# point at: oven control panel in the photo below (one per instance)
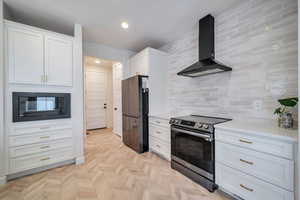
(193, 125)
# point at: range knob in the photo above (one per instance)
(200, 125)
(205, 126)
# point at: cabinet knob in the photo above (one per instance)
(115, 108)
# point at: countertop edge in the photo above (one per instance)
(262, 133)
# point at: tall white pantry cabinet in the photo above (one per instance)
(154, 64)
(37, 60)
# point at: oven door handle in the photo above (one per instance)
(206, 137)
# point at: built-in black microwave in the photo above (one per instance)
(29, 106)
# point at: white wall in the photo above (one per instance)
(2, 171)
(109, 53)
(78, 95)
(258, 39)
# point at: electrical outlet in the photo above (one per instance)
(257, 105)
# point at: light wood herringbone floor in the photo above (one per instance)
(111, 172)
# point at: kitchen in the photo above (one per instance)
(218, 129)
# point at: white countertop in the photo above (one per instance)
(266, 128)
(165, 116)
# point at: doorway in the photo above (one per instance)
(103, 94)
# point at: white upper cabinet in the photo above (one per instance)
(58, 61)
(25, 56)
(37, 56)
(139, 64)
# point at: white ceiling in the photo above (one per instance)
(152, 22)
(88, 60)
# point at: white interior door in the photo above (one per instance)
(117, 98)
(96, 95)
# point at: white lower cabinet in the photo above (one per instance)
(248, 187)
(160, 147)
(267, 167)
(38, 144)
(160, 137)
(40, 137)
(38, 160)
(247, 166)
(39, 148)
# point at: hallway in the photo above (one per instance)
(111, 172)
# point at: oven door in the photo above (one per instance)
(194, 150)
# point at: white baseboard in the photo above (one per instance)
(3, 180)
(39, 169)
(80, 160)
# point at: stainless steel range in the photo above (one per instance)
(193, 148)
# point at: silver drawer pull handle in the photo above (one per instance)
(43, 159)
(245, 141)
(158, 146)
(45, 147)
(158, 132)
(44, 137)
(245, 161)
(43, 128)
(158, 122)
(246, 188)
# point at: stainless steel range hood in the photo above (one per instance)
(207, 63)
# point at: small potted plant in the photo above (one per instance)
(285, 118)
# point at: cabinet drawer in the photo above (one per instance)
(247, 187)
(39, 160)
(275, 170)
(39, 127)
(160, 147)
(38, 148)
(41, 137)
(160, 133)
(159, 122)
(277, 148)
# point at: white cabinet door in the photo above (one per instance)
(117, 98)
(139, 64)
(25, 56)
(58, 61)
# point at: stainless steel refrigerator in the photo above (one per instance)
(135, 113)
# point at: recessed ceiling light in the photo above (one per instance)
(125, 25)
(98, 61)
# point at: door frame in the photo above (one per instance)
(120, 106)
(84, 93)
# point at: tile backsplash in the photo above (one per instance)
(258, 39)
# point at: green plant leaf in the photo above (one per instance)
(277, 111)
(289, 102)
